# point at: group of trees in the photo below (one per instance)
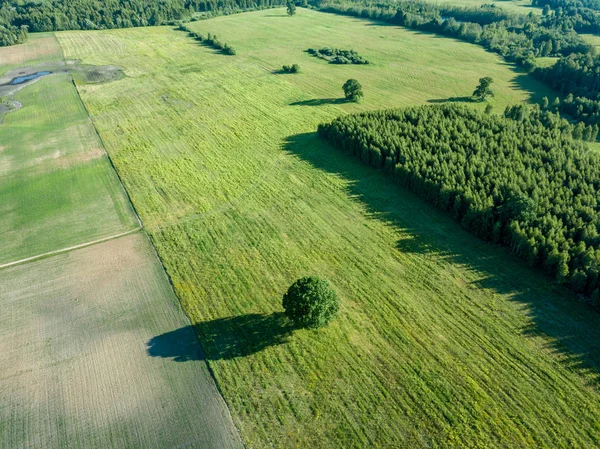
(10, 32)
(582, 15)
(210, 40)
(519, 180)
(577, 75)
(337, 56)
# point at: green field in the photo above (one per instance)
(443, 340)
(95, 351)
(516, 6)
(56, 183)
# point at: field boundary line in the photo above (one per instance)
(70, 248)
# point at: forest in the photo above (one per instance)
(516, 180)
(52, 15)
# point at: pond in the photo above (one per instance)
(24, 79)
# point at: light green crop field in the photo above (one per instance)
(57, 187)
(442, 341)
(95, 354)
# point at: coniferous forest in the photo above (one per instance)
(519, 182)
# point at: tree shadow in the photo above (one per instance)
(453, 100)
(569, 325)
(319, 102)
(181, 345)
(223, 338)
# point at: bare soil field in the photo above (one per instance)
(95, 352)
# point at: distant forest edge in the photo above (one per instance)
(17, 18)
(512, 180)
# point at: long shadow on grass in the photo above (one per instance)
(223, 338)
(319, 102)
(574, 329)
(453, 100)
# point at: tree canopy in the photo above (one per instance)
(291, 7)
(310, 302)
(352, 90)
(483, 90)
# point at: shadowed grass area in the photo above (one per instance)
(442, 340)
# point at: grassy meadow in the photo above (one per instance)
(515, 6)
(57, 186)
(442, 341)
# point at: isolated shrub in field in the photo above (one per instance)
(352, 90)
(294, 68)
(310, 302)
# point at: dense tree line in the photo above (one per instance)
(53, 15)
(581, 15)
(10, 33)
(337, 56)
(578, 76)
(518, 182)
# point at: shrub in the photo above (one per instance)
(294, 68)
(310, 302)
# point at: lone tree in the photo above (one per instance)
(310, 302)
(291, 8)
(483, 90)
(352, 90)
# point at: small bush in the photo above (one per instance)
(294, 68)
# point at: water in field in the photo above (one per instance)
(24, 79)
